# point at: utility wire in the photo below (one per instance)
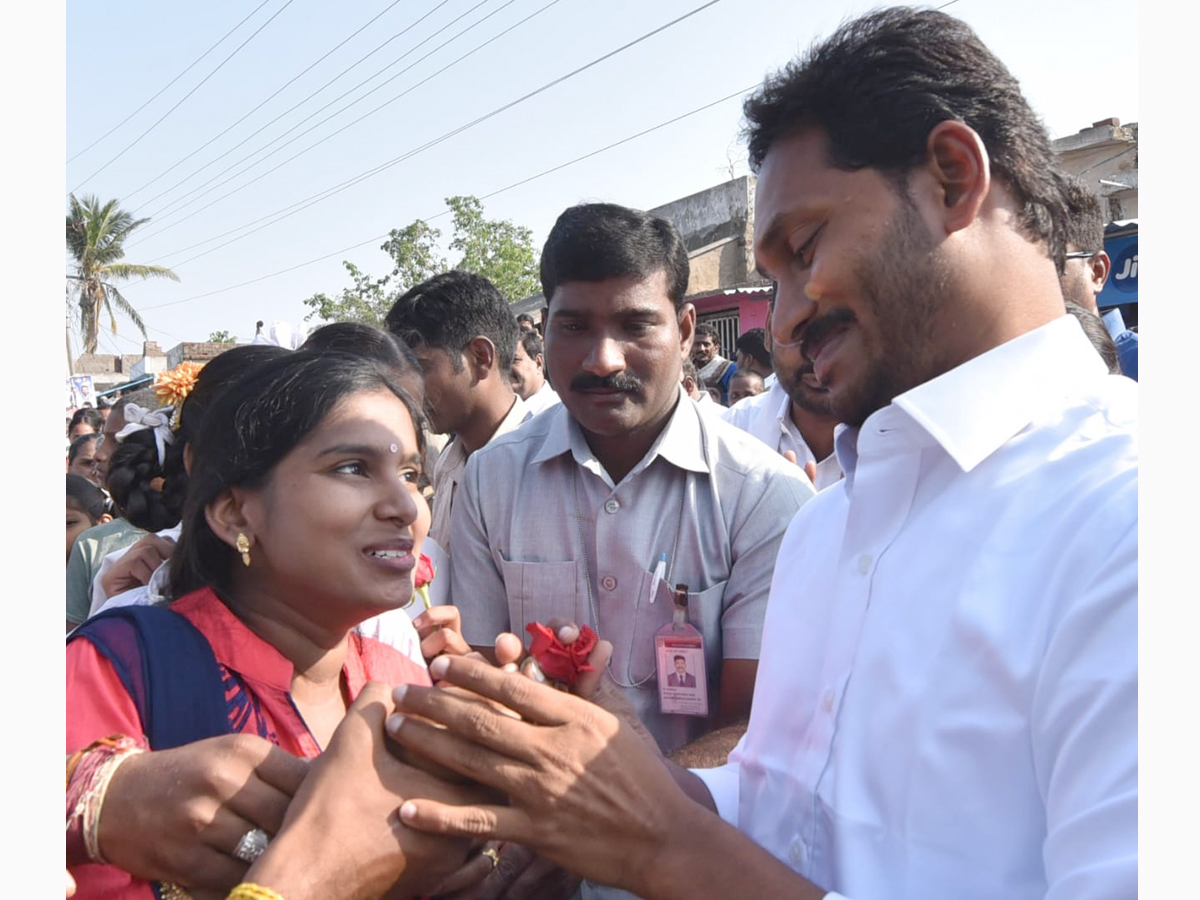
(333, 134)
(166, 210)
(370, 173)
(185, 96)
(169, 83)
(486, 196)
(287, 84)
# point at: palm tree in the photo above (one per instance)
(95, 239)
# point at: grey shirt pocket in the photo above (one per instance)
(539, 592)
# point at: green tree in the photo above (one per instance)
(222, 337)
(96, 236)
(495, 248)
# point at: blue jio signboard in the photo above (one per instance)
(1121, 287)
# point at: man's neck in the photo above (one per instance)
(494, 402)
(814, 428)
(620, 453)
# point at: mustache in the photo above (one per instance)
(817, 330)
(618, 381)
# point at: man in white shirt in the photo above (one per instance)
(463, 334)
(529, 375)
(792, 416)
(947, 700)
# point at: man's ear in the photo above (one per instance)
(1100, 265)
(481, 356)
(687, 330)
(959, 164)
(104, 519)
(540, 362)
(227, 516)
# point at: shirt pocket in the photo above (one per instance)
(704, 614)
(539, 592)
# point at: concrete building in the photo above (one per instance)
(1105, 155)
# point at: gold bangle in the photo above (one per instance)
(169, 891)
(247, 890)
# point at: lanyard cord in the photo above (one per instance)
(587, 576)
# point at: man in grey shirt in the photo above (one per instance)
(569, 516)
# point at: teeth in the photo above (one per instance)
(387, 554)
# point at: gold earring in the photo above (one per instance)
(243, 547)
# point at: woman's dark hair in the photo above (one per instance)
(213, 378)
(598, 241)
(88, 416)
(132, 469)
(250, 427)
(86, 497)
(880, 84)
(78, 444)
(364, 340)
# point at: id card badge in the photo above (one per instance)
(679, 660)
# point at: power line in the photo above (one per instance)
(159, 121)
(169, 83)
(486, 196)
(313, 199)
(166, 210)
(276, 94)
(333, 134)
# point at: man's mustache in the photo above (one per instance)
(618, 381)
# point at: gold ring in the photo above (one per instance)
(493, 856)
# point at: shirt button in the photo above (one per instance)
(827, 700)
(796, 853)
(608, 583)
(611, 505)
(864, 564)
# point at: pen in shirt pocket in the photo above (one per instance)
(660, 571)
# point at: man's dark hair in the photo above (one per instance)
(753, 344)
(448, 311)
(531, 342)
(680, 658)
(526, 317)
(598, 241)
(880, 84)
(706, 330)
(1097, 333)
(1085, 218)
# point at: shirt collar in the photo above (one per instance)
(975, 408)
(239, 649)
(681, 443)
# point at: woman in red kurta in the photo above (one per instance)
(303, 519)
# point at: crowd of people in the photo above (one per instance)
(476, 605)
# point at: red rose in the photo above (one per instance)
(424, 571)
(560, 661)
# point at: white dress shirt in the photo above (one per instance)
(946, 702)
(540, 400)
(449, 468)
(768, 416)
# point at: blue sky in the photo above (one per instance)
(1065, 55)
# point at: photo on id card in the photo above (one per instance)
(682, 679)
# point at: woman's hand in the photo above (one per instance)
(177, 815)
(342, 837)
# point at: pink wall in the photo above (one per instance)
(751, 309)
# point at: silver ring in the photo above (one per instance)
(252, 845)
